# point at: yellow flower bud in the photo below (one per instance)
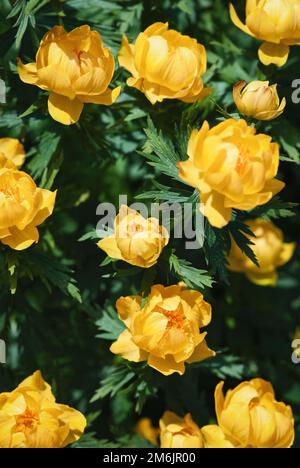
(252, 418)
(258, 100)
(164, 64)
(12, 153)
(276, 22)
(23, 207)
(270, 249)
(145, 429)
(232, 167)
(164, 331)
(136, 240)
(75, 68)
(30, 417)
(179, 432)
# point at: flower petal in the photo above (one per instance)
(64, 110)
(276, 54)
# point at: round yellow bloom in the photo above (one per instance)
(165, 331)
(179, 432)
(270, 249)
(145, 429)
(76, 68)
(23, 207)
(276, 22)
(30, 417)
(164, 64)
(12, 153)
(232, 167)
(252, 418)
(136, 240)
(258, 100)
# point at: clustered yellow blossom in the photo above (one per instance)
(165, 331)
(31, 418)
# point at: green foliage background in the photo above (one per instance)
(56, 302)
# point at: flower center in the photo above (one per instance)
(175, 319)
(26, 421)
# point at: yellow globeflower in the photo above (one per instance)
(12, 153)
(232, 167)
(145, 429)
(258, 100)
(75, 68)
(165, 330)
(30, 417)
(270, 249)
(176, 432)
(164, 64)
(136, 240)
(276, 22)
(23, 207)
(252, 418)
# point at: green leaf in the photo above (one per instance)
(192, 277)
(275, 209)
(216, 247)
(52, 273)
(109, 324)
(240, 233)
(161, 152)
(116, 380)
(47, 147)
(226, 366)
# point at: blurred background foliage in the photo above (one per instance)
(57, 303)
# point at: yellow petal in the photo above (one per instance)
(127, 307)
(201, 353)
(21, 240)
(276, 54)
(110, 247)
(127, 348)
(219, 400)
(288, 250)
(126, 56)
(63, 109)
(75, 423)
(214, 437)
(236, 20)
(167, 365)
(214, 209)
(263, 279)
(27, 73)
(107, 98)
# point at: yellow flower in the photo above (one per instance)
(145, 429)
(12, 154)
(76, 68)
(232, 167)
(252, 418)
(179, 432)
(136, 240)
(276, 22)
(164, 64)
(258, 100)
(165, 330)
(30, 417)
(23, 207)
(270, 249)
